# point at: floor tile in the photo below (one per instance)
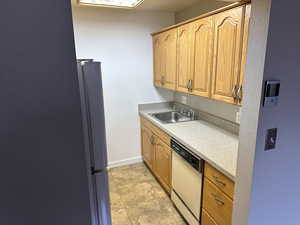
(138, 199)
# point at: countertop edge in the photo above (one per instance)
(205, 158)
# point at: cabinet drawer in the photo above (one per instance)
(206, 219)
(217, 204)
(157, 131)
(220, 180)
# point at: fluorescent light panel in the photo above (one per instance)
(113, 3)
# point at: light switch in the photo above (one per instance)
(271, 139)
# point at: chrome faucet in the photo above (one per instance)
(189, 113)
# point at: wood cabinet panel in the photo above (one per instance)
(202, 56)
(206, 219)
(157, 60)
(220, 180)
(164, 57)
(217, 204)
(244, 53)
(184, 47)
(147, 146)
(162, 163)
(157, 153)
(169, 59)
(227, 54)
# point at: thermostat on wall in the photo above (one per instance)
(271, 93)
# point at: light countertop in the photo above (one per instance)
(211, 143)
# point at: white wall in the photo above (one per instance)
(202, 7)
(121, 40)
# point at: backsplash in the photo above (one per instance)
(217, 121)
(215, 108)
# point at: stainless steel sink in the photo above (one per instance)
(172, 117)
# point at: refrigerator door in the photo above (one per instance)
(93, 113)
(102, 198)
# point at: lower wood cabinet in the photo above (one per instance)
(157, 153)
(217, 203)
(162, 163)
(147, 146)
(206, 219)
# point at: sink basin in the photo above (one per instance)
(171, 117)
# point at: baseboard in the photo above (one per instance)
(124, 162)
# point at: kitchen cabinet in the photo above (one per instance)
(184, 48)
(227, 55)
(244, 54)
(147, 143)
(156, 152)
(162, 163)
(202, 57)
(165, 55)
(211, 54)
(218, 192)
(206, 219)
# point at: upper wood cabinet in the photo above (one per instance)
(165, 54)
(244, 54)
(201, 56)
(227, 54)
(211, 54)
(157, 59)
(184, 48)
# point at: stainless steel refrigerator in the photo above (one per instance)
(92, 106)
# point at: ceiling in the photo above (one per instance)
(164, 5)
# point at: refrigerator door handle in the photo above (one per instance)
(94, 171)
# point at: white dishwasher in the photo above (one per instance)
(187, 175)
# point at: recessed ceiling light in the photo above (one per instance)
(112, 3)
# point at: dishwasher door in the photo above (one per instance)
(187, 184)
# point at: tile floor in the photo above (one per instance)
(137, 198)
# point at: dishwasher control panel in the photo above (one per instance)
(181, 150)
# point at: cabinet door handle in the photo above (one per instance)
(240, 94)
(152, 140)
(190, 85)
(217, 179)
(219, 201)
(162, 80)
(234, 92)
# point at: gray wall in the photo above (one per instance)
(220, 109)
(202, 7)
(42, 167)
(275, 198)
(270, 195)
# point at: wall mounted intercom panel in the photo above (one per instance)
(271, 97)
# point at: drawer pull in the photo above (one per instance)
(220, 202)
(217, 179)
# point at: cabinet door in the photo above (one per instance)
(162, 163)
(244, 53)
(157, 59)
(169, 59)
(206, 219)
(184, 46)
(202, 56)
(147, 147)
(227, 54)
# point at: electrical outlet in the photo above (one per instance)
(184, 99)
(238, 116)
